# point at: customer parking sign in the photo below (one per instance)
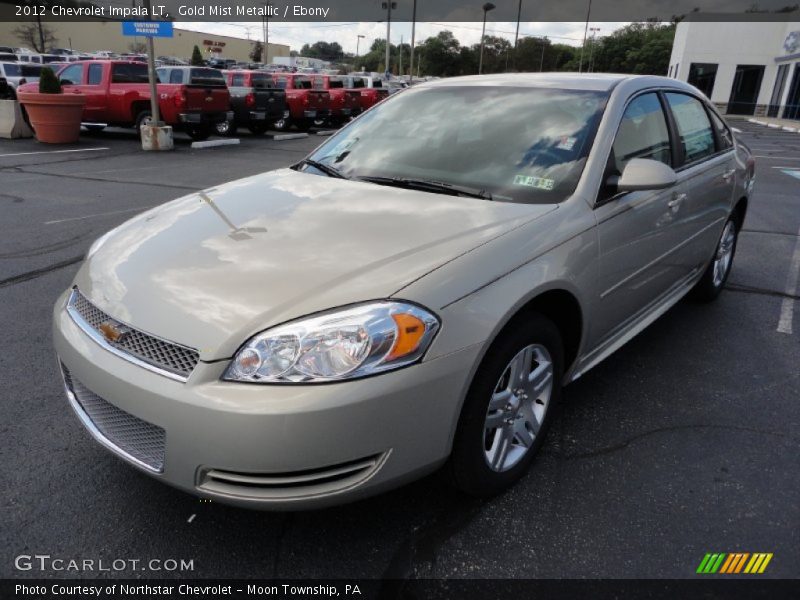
(147, 28)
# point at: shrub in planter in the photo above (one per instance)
(54, 115)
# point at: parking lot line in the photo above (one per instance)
(787, 306)
(54, 152)
(776, 157)
(113, 212)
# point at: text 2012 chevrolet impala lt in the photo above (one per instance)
(411, 295)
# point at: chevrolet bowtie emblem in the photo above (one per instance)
(113, 331)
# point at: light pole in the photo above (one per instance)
(413, 31)
(585, 31)
(594, 31)
(486, 8)
(516, 35)
(358, 42)
(388, 6)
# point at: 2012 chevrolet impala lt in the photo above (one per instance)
(413, 294)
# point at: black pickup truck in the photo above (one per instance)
(255, 103)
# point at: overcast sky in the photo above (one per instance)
(295, 34)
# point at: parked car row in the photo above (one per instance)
(202, 100)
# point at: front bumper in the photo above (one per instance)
(278, 446)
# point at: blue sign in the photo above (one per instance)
(147, 28)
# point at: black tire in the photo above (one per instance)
(257, 128)
(199, 133)
(469, 465)
(711, 283)
(320, 123)
(226, 128)
(304, 124)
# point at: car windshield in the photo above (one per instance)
(519, 144)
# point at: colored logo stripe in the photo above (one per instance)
(728, 564)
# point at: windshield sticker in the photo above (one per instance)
(541, 183)
(566, 143)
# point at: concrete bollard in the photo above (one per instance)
(12, 125)
(157, 138)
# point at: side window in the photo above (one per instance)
(176, 76)
(725, 135)
(95, 74)
(642, 133)
(73, 74)
(238, 80)
(694, 128)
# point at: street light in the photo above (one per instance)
(594, 31)
(486, 8)
(389, 6)
(358, 41)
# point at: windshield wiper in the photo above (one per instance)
(328, 170)
(438, 187)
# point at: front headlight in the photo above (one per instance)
(344, 344)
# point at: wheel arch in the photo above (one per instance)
(739, 212)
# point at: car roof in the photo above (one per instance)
(601, 82)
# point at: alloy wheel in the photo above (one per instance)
(724, 255)
(518, 407)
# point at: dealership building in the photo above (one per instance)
(90, 36)
(745, 68)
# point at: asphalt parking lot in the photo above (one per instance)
(684, 442)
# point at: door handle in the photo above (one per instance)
(675, 203)
(728, 174)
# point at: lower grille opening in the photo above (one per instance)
(137, 441)
(295, 484)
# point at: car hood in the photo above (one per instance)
(212, 268)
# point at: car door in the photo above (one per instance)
(95, 110)
(636, 230)
(707, 175)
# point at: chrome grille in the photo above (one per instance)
(139, 441)
(173, 358)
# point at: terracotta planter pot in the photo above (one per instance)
(56, 118)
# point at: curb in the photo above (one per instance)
(285, 136)
(327, 132)
(775, 126)
(215, 143)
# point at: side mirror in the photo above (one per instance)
(646, 174)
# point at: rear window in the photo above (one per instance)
(261, 80)
(302, 83)
(335, 83)
(129, 73)
(358, 83)
(203, 76)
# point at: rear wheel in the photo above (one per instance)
(143, 118)
(199, 132)
(226, 128)
(304, 124)
(507, 410)
(282, 124)
(715, 276)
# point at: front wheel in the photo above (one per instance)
(282, 124)
(507, 410)
(715, 276)
(199, 132)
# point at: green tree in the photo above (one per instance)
(330, 51)
(641, 48)
(197, 56)
(257, 51)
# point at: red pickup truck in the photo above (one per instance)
(306, 104)
(371, 89)
(345, 102)
(117, 93)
